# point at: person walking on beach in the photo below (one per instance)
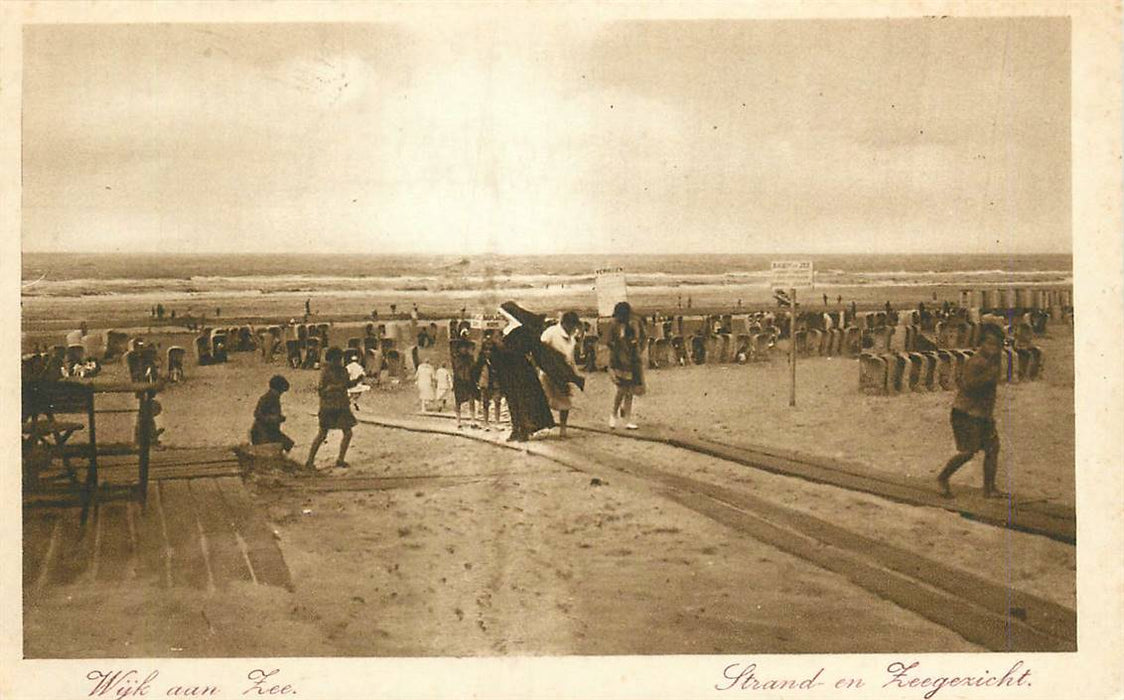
(355, 375)
(518, 379)
(268, 417)
(562, 337)
(626, 338)
(335, 406)
(973, 423)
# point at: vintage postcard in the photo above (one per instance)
(504, 350)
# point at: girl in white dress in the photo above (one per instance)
(444, 381)
(426, 385)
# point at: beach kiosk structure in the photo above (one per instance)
(175, 362)
(293, 353)
(75, 354)
(115, 345)
(202, 347)
(311, 354)
(219, 343)
(245, 339)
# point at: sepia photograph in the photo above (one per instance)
(574, 334)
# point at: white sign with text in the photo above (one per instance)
(611, 288)
(793, 274)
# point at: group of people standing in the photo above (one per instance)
(537, 370)
(530, 364)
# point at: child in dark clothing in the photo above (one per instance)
(486, 381)
(268, 417)
(464, 378)
(335, 406)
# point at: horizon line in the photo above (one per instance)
(523, 255)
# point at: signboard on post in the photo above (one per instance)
(486, 322)
(792, 275)
(611, 288)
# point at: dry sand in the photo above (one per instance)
(533, 559)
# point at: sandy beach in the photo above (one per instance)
(526, 556)
(873, 191)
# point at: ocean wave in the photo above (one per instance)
(959, 273)
(203, 286)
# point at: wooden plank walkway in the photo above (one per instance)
(994, 615)
(1041, 518)
(199, 529)
(1052, 520)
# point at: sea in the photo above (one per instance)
(171, 277)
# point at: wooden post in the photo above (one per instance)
(792, 349)
(90, 490)
(144, 440)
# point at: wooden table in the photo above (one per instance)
(44, 401)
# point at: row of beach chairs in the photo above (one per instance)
(678, 351)
(938, 370)
(140, 361)
(212, 344)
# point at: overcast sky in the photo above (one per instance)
(750, 136)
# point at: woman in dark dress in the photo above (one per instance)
(519, 382)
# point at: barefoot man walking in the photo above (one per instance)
(973, 425)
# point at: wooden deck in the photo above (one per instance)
(199, 529)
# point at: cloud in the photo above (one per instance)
(448, 138)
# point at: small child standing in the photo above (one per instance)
(487, 383)
(464, 383)
(355, 374)
(425, 379)
(444, 380)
